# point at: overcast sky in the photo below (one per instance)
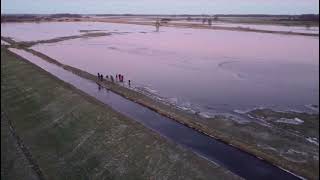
(161, 6)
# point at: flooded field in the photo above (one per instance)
(198, 70)
(239, 75)
(308, 29)
(49, 30)
(281, 28)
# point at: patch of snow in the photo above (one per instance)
(313, 140)
(295, 121)
(313, 107)
(294, 155)
(148, 89)
(245, 111)
(292, 151)
(267, 147)
(240, 111)
(4, 42)
(206, 115)
(184, 108)
(173, 100)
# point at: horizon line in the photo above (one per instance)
(183, 14)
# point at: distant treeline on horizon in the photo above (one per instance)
(173, 15)
(301, 17)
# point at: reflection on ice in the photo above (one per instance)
(214, 71)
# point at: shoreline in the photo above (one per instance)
(191, 121)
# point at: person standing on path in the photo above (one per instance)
(111, 77)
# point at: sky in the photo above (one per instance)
(161, 6)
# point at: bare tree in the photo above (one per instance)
(204, 20)
(308, 26)
(216, 18)
(157, 25)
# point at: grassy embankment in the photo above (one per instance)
(72, 136)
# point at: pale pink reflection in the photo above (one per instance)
(211, 70)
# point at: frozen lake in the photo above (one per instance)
(204, 70)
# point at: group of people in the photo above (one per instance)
(119, 77)
(100, 77)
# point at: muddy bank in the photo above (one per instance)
(244, 136)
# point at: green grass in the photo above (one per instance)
(14, 164)
(72, 136)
